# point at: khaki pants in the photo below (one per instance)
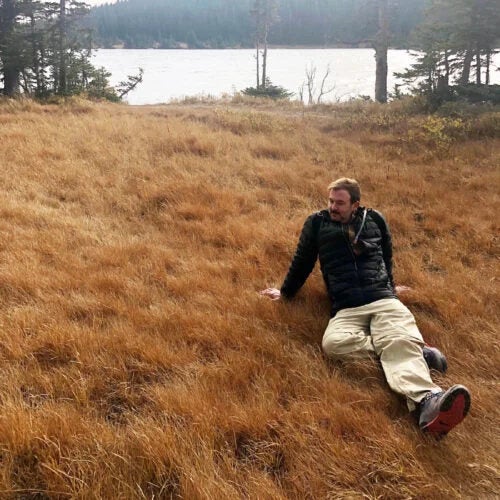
(385, 329)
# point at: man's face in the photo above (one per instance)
(340, 206)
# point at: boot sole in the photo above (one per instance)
(453, 410)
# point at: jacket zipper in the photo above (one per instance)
(346, 236)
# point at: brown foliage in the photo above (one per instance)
(138, 360)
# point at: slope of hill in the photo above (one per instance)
(226, 23)
(138, 360)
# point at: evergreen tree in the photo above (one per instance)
(454, 35)
(43, 51)
(12, 46)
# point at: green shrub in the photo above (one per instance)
(269, 91)
(439, 133)
(477, 93)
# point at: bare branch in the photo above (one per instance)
(322, 90)
(310, 84)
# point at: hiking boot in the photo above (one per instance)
(440, 412)
(435, 359)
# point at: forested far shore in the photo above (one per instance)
(227, 24)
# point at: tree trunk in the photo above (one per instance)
(447, 67)
(10, 81)
(43, 82)
(257, 56)
(381, 74)
(464, 79)
(34, 55)
(381, 48)
(7, 49)
(256, 11)
(264, 57)
(62, 48)
(488, 64)
(478, 66)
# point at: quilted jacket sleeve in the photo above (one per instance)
(303, 260)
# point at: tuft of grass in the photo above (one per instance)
(138, 360)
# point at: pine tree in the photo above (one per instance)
(44, 52)
(12, 47)
(454, 35)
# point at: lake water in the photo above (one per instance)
(174, 74)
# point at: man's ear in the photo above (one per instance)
(355, 205)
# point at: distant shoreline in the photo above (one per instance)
(271, 47)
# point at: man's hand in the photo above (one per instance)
(272, 293)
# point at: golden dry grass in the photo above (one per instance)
(137, 359)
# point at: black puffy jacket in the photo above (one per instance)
(354, 274)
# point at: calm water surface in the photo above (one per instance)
(174, 74)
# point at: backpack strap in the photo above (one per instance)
(379, 220)
(386, 241)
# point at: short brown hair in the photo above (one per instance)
(350, 185)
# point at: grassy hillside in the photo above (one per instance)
(137, 359)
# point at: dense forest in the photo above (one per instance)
(227, 23)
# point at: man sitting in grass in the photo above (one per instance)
(355, 252)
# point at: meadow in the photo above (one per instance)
(137, 359)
